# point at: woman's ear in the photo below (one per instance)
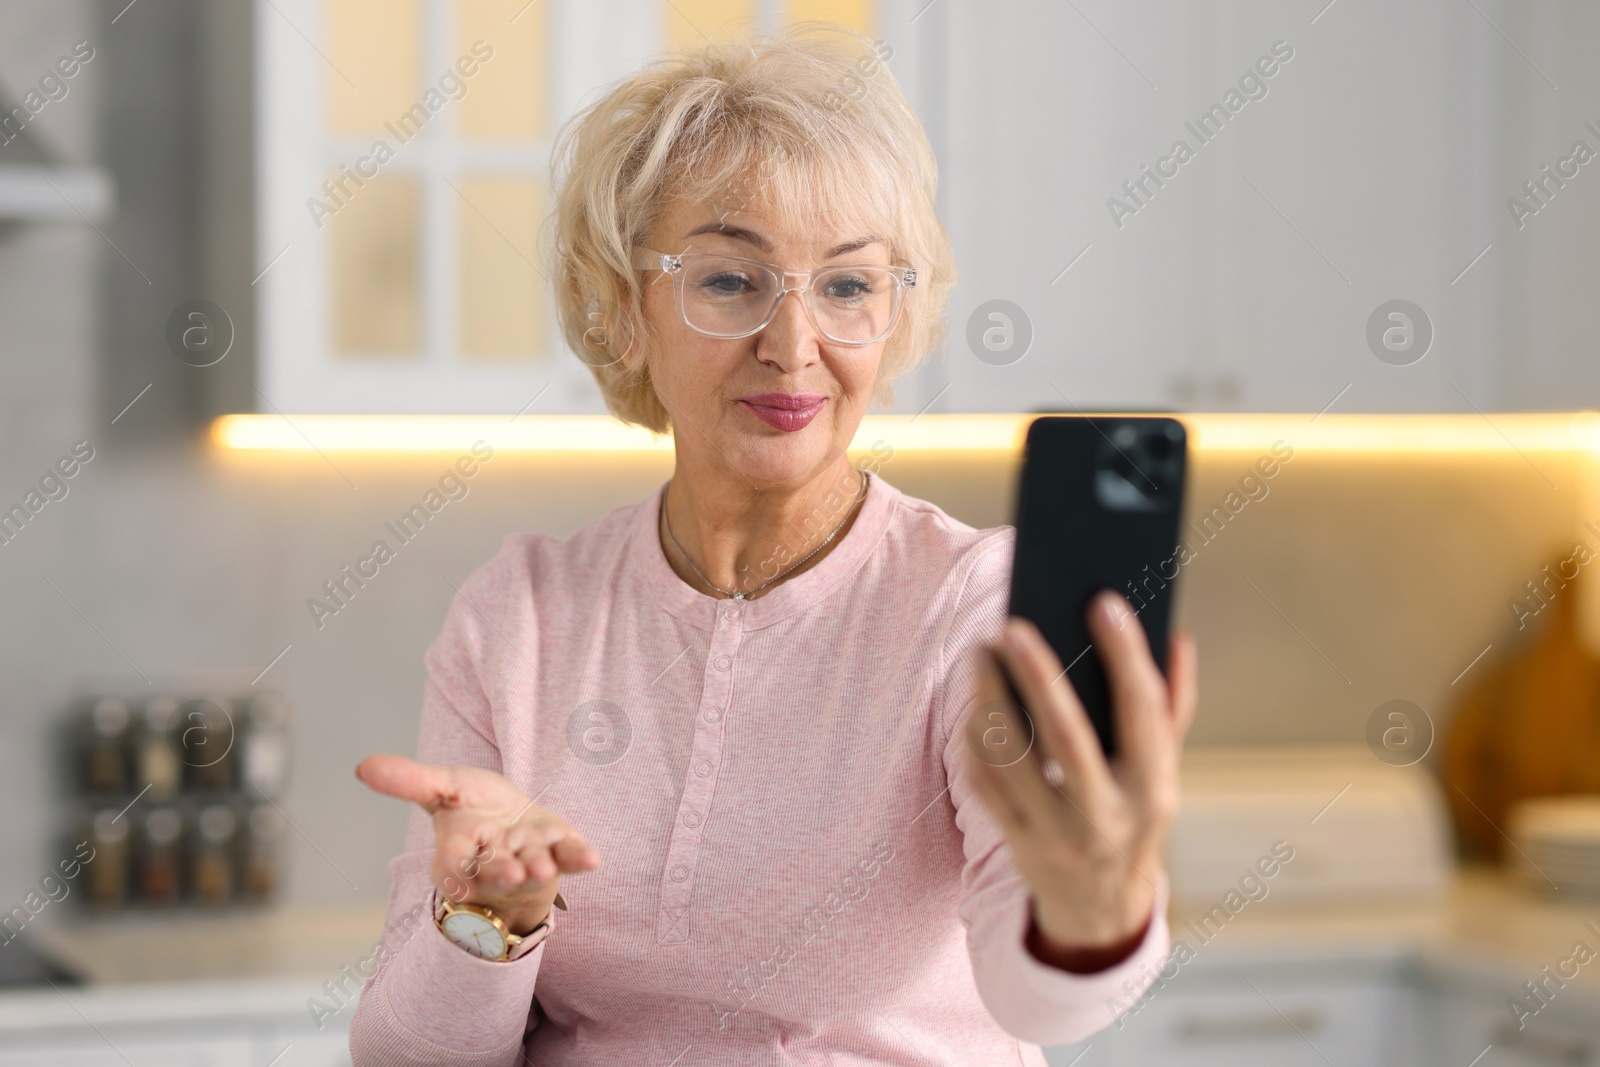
(608, 337)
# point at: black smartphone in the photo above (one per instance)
(1098, 507)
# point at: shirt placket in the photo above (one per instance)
(700, 778)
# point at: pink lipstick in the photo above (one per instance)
(786, 411)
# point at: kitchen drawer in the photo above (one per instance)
(1230, 1024)
(91, 1050)
(303, 1048)
(1463, 1028)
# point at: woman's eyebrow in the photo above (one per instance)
(852, 246)
(739, 233)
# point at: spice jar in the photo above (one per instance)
(160, 857)
(212, 858)
(206, 744)
(105, 748)
(266, 747)
(263, 853)
(106, 879)
(157, 762)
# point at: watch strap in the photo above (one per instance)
(530, 940)
(526, 942)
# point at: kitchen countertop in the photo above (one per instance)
(150, 970)
(1482, 935)
(278, 943)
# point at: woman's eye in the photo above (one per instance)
(848, 288)
(726, 284)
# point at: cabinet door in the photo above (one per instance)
(1278, 1024)
(1464, 1029)
(296, 1048)
(117, 1050)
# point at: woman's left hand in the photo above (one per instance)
(1086, 834)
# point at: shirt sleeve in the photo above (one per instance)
(1031, 1000)
(430, 1002)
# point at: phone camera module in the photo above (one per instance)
(1138, 465)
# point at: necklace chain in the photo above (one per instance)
(731, 594)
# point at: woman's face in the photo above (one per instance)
(714, 389)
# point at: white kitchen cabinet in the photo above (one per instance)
(297, 1048)
(1464, 1027)
(1264, 1019)
(180, 1046)
(120, 1050)
(196, 1024)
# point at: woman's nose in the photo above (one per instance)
(790, 340)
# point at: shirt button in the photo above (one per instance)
(732, 611)
(723, 663)
(703, 768)
(679, 873)
(713, 715)
(691, 820)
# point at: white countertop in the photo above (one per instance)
(1482, 934)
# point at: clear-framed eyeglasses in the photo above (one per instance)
(731, 297)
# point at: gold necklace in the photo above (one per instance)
(731, 594)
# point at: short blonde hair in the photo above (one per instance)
(808, 121)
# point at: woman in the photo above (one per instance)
(731, 725)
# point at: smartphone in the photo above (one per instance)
(1098, 507)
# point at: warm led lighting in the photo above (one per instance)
(1531, 432)
(433, 433)
(1210, 432)
(571, 433)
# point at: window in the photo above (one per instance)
(403, 182)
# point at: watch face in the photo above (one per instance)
(475, 934)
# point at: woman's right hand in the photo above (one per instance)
(492, 845)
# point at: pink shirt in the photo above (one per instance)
(792, 871)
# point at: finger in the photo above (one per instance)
(503, 871)
(535, 856)
(1183, 671)
(573, 855)
(1138, 691)
(396, 776)
(536, 846)
(1066, 734)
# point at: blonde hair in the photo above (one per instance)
(809, 121)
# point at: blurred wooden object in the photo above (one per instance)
(1529, 726)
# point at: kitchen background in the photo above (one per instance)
(1383, 161)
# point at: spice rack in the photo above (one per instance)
(178, 797)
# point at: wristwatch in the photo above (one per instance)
(480, 931)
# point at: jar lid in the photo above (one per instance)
(162, 826)
(110, 716)
(216, 823)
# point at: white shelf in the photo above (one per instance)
(56, 194)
